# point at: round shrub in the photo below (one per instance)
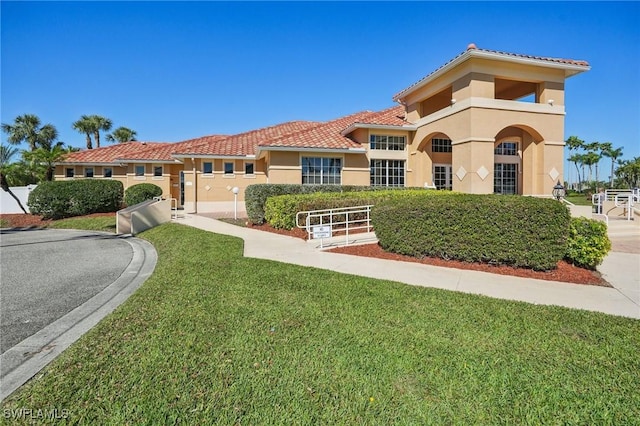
(141, 192)
(60, 199)
(588, 242)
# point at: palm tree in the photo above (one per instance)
(122, 134)
(577, 159)
(590, 159)
(26, 128)
(594, 155)
(100, 123)
(574, 144)
(6, 153)
(46, 159)
(614, 154)
(629, 172)
(87, 126)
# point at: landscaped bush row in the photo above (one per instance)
(60, 199)
(512, 230)
(588, 242)
(141, 192)
(280, 211)
(257, 195)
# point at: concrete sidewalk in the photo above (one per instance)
(620, 269)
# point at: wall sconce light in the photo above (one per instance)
(453, 101)
(550, 102)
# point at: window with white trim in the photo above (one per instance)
(387, 143)
(139, 170)
(228, 168)
(249, 168)
(157, 171)
(506, 148)
(321, 170)
(443, 176)
(69, 172)
(387, 173)
(88, 172)
(107, 172)
(440, 145)
(207, 167)
(505, 178)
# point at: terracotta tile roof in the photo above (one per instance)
(323, 136)
(293, 134)
(393, 116)
(164, 152)
(109, 154)
(472, 48)
(244, 144)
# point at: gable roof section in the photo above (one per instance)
(388, 119)
(243, 144)
(110, 154)
(325, 136)
(164, 153)
(570, 66)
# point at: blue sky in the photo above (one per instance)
(177, 70)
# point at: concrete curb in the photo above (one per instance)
(24, 360)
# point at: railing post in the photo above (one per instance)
(346, 219)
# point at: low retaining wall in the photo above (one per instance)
(8, 205)
(143, 216)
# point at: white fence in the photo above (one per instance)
(8, 205)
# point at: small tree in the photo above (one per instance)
(629, 172)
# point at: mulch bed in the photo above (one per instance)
(22, 220)
(565, 272)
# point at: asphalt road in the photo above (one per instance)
(46, 273)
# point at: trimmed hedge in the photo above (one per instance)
(280, 211)
(141, 192)
(60, 199)
(588, 242)
(255, 196)
(498, 229)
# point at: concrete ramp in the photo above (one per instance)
(140, 217)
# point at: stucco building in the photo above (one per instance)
(485, 122)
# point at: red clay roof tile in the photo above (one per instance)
(246, 143)
(109, 154)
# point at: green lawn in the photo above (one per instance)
(214, 338)
(102, 223)
(579, 199)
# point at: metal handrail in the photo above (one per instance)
(327, 217)
(627, 201)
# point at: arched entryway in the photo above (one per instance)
(516, 160)
(436, 158)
